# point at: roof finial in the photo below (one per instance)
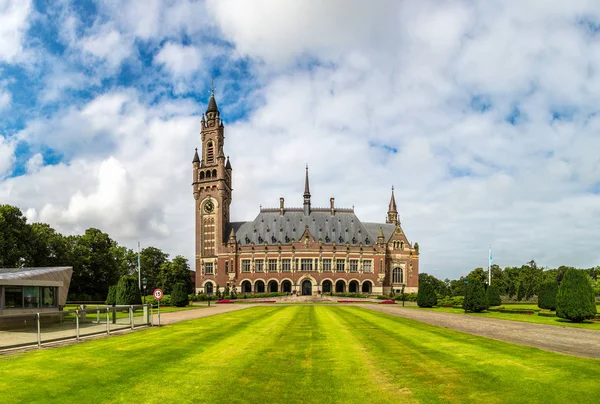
(212, 86)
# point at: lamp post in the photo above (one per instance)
(403, 285)
(144, 282)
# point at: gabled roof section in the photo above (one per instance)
(272, 227)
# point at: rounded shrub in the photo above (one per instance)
(111, 298)
(128, 291)
(493, 296)
(426, 296)
(179, 296)
(547, 295)
(475, 297)
(575, 298)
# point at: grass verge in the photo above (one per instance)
(297, 354)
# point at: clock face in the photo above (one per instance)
(209, 207)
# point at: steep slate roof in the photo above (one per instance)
(29, 273)
(272, 227)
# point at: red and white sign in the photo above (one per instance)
(158, 294)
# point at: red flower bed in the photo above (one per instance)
(224, 301)
(387, 302)
(350, 301)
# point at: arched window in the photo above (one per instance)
(210, 153)
(402, 245)
(201, 175)
(208, 174)
(214, 173)
(397, 276)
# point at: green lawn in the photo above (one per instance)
(534, 318)
(92, 315)
(297, 354)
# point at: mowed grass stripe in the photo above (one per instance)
(443, 365)
(361, 377)
(115, 366)
(305, 354)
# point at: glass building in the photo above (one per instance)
(32, 290)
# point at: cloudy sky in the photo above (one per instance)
(483, 115)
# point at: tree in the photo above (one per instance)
(48, 248)
(94, 265)
(111, 298)
(128, 291)
(475, 297)
(520, 292)
(439, 286)
(152, 259)
(179, 296)
(177, 271)
(426, 296)
(575, 298)
(547, 295)
(493, 296)
(478, 275)
(15, 237)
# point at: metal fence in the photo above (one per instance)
(20, 330)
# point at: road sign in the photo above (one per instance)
(158, 294)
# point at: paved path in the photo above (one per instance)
(567, 340)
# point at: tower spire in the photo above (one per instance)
(392, 215)
(212, 104)
(306, 194)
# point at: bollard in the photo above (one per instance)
(131, 316)
(98, 314)
(39, 331)
(107, 321)
(77, 323)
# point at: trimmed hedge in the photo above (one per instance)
(111, 298)
(493, 296)
(451, 301)
(575, 299)
(128, 291)
(426, 296)
(547, 295)
(541, 314)
(179, 297)
(475, 297)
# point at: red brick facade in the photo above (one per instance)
(290, 249)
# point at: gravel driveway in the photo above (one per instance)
(566, 340)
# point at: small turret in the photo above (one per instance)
(380, 237)
(306, 195)
(392, 215)
(196, 160)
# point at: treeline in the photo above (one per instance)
(513, 283)
(97, 260)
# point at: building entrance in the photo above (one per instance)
(306, 288)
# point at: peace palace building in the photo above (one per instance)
(290, 249)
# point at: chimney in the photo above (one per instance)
(281, 206)
(332, 208)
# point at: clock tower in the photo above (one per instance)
(212, 193)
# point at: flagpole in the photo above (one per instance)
(490, 266)
(139, 269)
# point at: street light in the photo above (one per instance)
(144, 282)
(403, 285)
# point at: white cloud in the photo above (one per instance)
(5, 99)
(107, 44)
(7, 156)
(13, 23)
(179, 60)
(338, 85)
(131, 189)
